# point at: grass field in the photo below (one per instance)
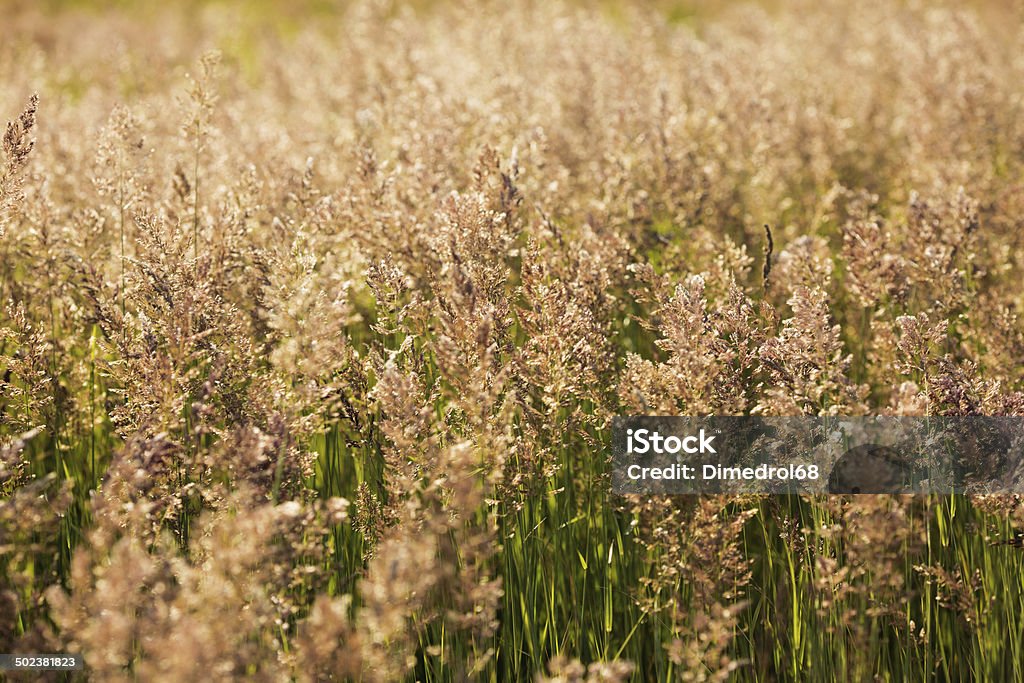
(313, 320)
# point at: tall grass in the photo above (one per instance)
(308, 361)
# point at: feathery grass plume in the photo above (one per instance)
(121, 175)
(705, 356)
(17, 146)
(196, 129)
(876, 267)
(230, 603)
(433, 497)
(569, 288)
(563, 670)
(806, 364)
(700, 565)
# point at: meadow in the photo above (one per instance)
(314, 317)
